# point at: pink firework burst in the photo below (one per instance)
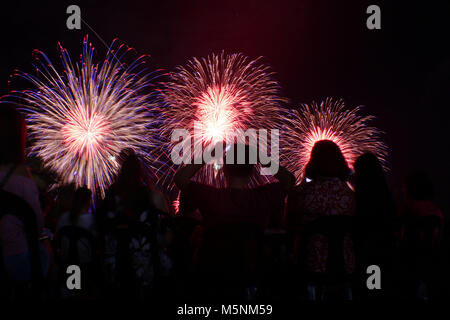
(82, 117)
(329, 120)
(216, 96)
(218, 115)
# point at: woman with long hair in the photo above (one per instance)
(323, 192)
(79, 214)
(15, 178)
(373, 198)
(133, 207)
(375, 212)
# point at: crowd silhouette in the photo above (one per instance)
(305, 242)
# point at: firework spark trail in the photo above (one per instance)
(222, 93)
(329, 120)
(80, 119)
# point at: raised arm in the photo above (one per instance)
(184, 175)
(285, 177)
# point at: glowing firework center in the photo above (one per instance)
(86, 135)
(217, 116)
(82, 117)
(329, 120)
(216, 97)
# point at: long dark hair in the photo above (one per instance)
(81, 200)
(133, 185)
(13, 134)
(327, 160)
(373, 197)
(131, 174)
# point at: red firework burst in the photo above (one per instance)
(329, 120)
(214, 96)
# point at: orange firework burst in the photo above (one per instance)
(329, 120)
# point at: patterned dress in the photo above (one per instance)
(318, 198)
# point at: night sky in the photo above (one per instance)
(401, 73)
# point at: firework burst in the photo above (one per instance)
(329, 120)
(214, 97)
(80, 119)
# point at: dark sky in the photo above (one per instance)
(317, 48)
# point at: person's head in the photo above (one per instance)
(239, 173)
(326, 160)
(13, 134)
(418, 186)
(131, 171)
(65, 197)
(368, 170)
(371, 189)
(81, 202)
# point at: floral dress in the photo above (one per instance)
(318, 198)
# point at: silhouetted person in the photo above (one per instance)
(237, 202)
(373, 198)
(16, 178)
(130, 217)
(375, 211)
(423, 224)
(323, 192)
(62, 203)
(80, 212)
(130, 195)
(419, 192)
(234, 218)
